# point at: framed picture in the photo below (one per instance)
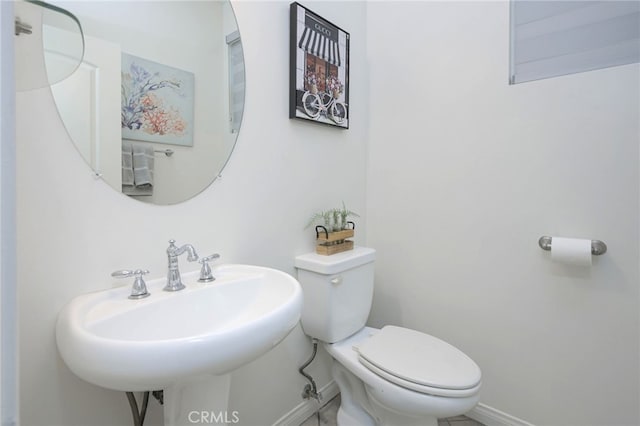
(157, 102)
(319, 69)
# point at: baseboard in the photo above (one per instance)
(307, 408)
(482, 413)
(489, 416)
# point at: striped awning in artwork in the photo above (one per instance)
(318, 45)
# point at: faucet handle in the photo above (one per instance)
(205, 272)
(139, 289)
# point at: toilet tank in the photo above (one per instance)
(337, 292)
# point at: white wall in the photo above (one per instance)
(8, 311)
(73, 231)
(466, 173)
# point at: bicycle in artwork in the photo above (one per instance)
(324, 103)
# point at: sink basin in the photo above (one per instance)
(153, 343)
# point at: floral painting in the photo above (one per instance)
(157, 102)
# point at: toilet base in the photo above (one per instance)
(387, 417)
(345, 419)
(359, 408)
(354, 409)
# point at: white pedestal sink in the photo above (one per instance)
(184, 342)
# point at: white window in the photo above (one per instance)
(552, 38)
(236, 80)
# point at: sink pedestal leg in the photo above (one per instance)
(199, 400)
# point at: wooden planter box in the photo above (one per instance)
(333, 242)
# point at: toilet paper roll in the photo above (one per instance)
(572, 251)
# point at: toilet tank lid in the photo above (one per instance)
(335, 263)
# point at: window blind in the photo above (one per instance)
(236, 80)
(552, 38)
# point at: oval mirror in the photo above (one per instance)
(156, 105)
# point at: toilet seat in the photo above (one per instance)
(420, 362)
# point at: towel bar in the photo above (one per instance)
(168, 152)
(597, 246)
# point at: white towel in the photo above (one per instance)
(143, 163)
(127, 164)
(137, 169)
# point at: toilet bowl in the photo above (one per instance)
(392, 400)
(392, 376)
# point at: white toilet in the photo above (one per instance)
(393, 376)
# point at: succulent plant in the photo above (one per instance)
(332, 219)
(344, 214)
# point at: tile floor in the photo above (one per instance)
(327, 417)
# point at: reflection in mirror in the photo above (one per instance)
(156, 77)
(34, 23)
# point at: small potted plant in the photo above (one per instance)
(333, 220)
(332, 236)
(344, 215)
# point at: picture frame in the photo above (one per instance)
(157, 102)
(318, 69)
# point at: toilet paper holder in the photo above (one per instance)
(597, 246)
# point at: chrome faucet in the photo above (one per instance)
(174, 282)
